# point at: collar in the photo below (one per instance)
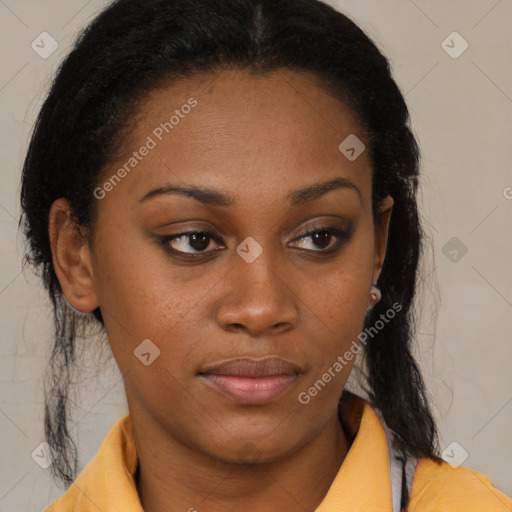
(107, 482)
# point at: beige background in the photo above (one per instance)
(461, 109)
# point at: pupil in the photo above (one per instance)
(322, 238)
(198, 241)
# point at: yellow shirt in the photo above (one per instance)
(362, 484)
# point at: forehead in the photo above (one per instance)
(239, 131)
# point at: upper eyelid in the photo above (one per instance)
(303, 232)
(312, 229)
(320, 220)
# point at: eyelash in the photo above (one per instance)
(343, 235)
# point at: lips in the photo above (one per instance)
(248, 367)
(252, 381)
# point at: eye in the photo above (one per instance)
(199, 241)
(327, 239)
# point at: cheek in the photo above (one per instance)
(342, 288)
(126, 286)
(337, 299)
(143, 296)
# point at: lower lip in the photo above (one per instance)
(252, 390)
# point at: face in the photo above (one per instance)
(251, 257)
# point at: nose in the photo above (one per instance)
(258, 298)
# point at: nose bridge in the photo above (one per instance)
(263, 274)
(258, 296)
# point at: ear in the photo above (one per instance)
(381, 235)
(71, 258)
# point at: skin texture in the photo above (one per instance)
(257, 138)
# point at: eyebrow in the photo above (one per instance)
(218, 198)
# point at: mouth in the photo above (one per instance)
(252, 381)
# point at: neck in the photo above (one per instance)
(178, 478)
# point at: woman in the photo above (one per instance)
(229, 189)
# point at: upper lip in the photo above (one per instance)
(250, 367)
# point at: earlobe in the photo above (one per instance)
(381, 234)
(71, 258)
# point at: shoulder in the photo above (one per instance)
(106, 483)
(442, 487)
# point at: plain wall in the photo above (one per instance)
(461, 111)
